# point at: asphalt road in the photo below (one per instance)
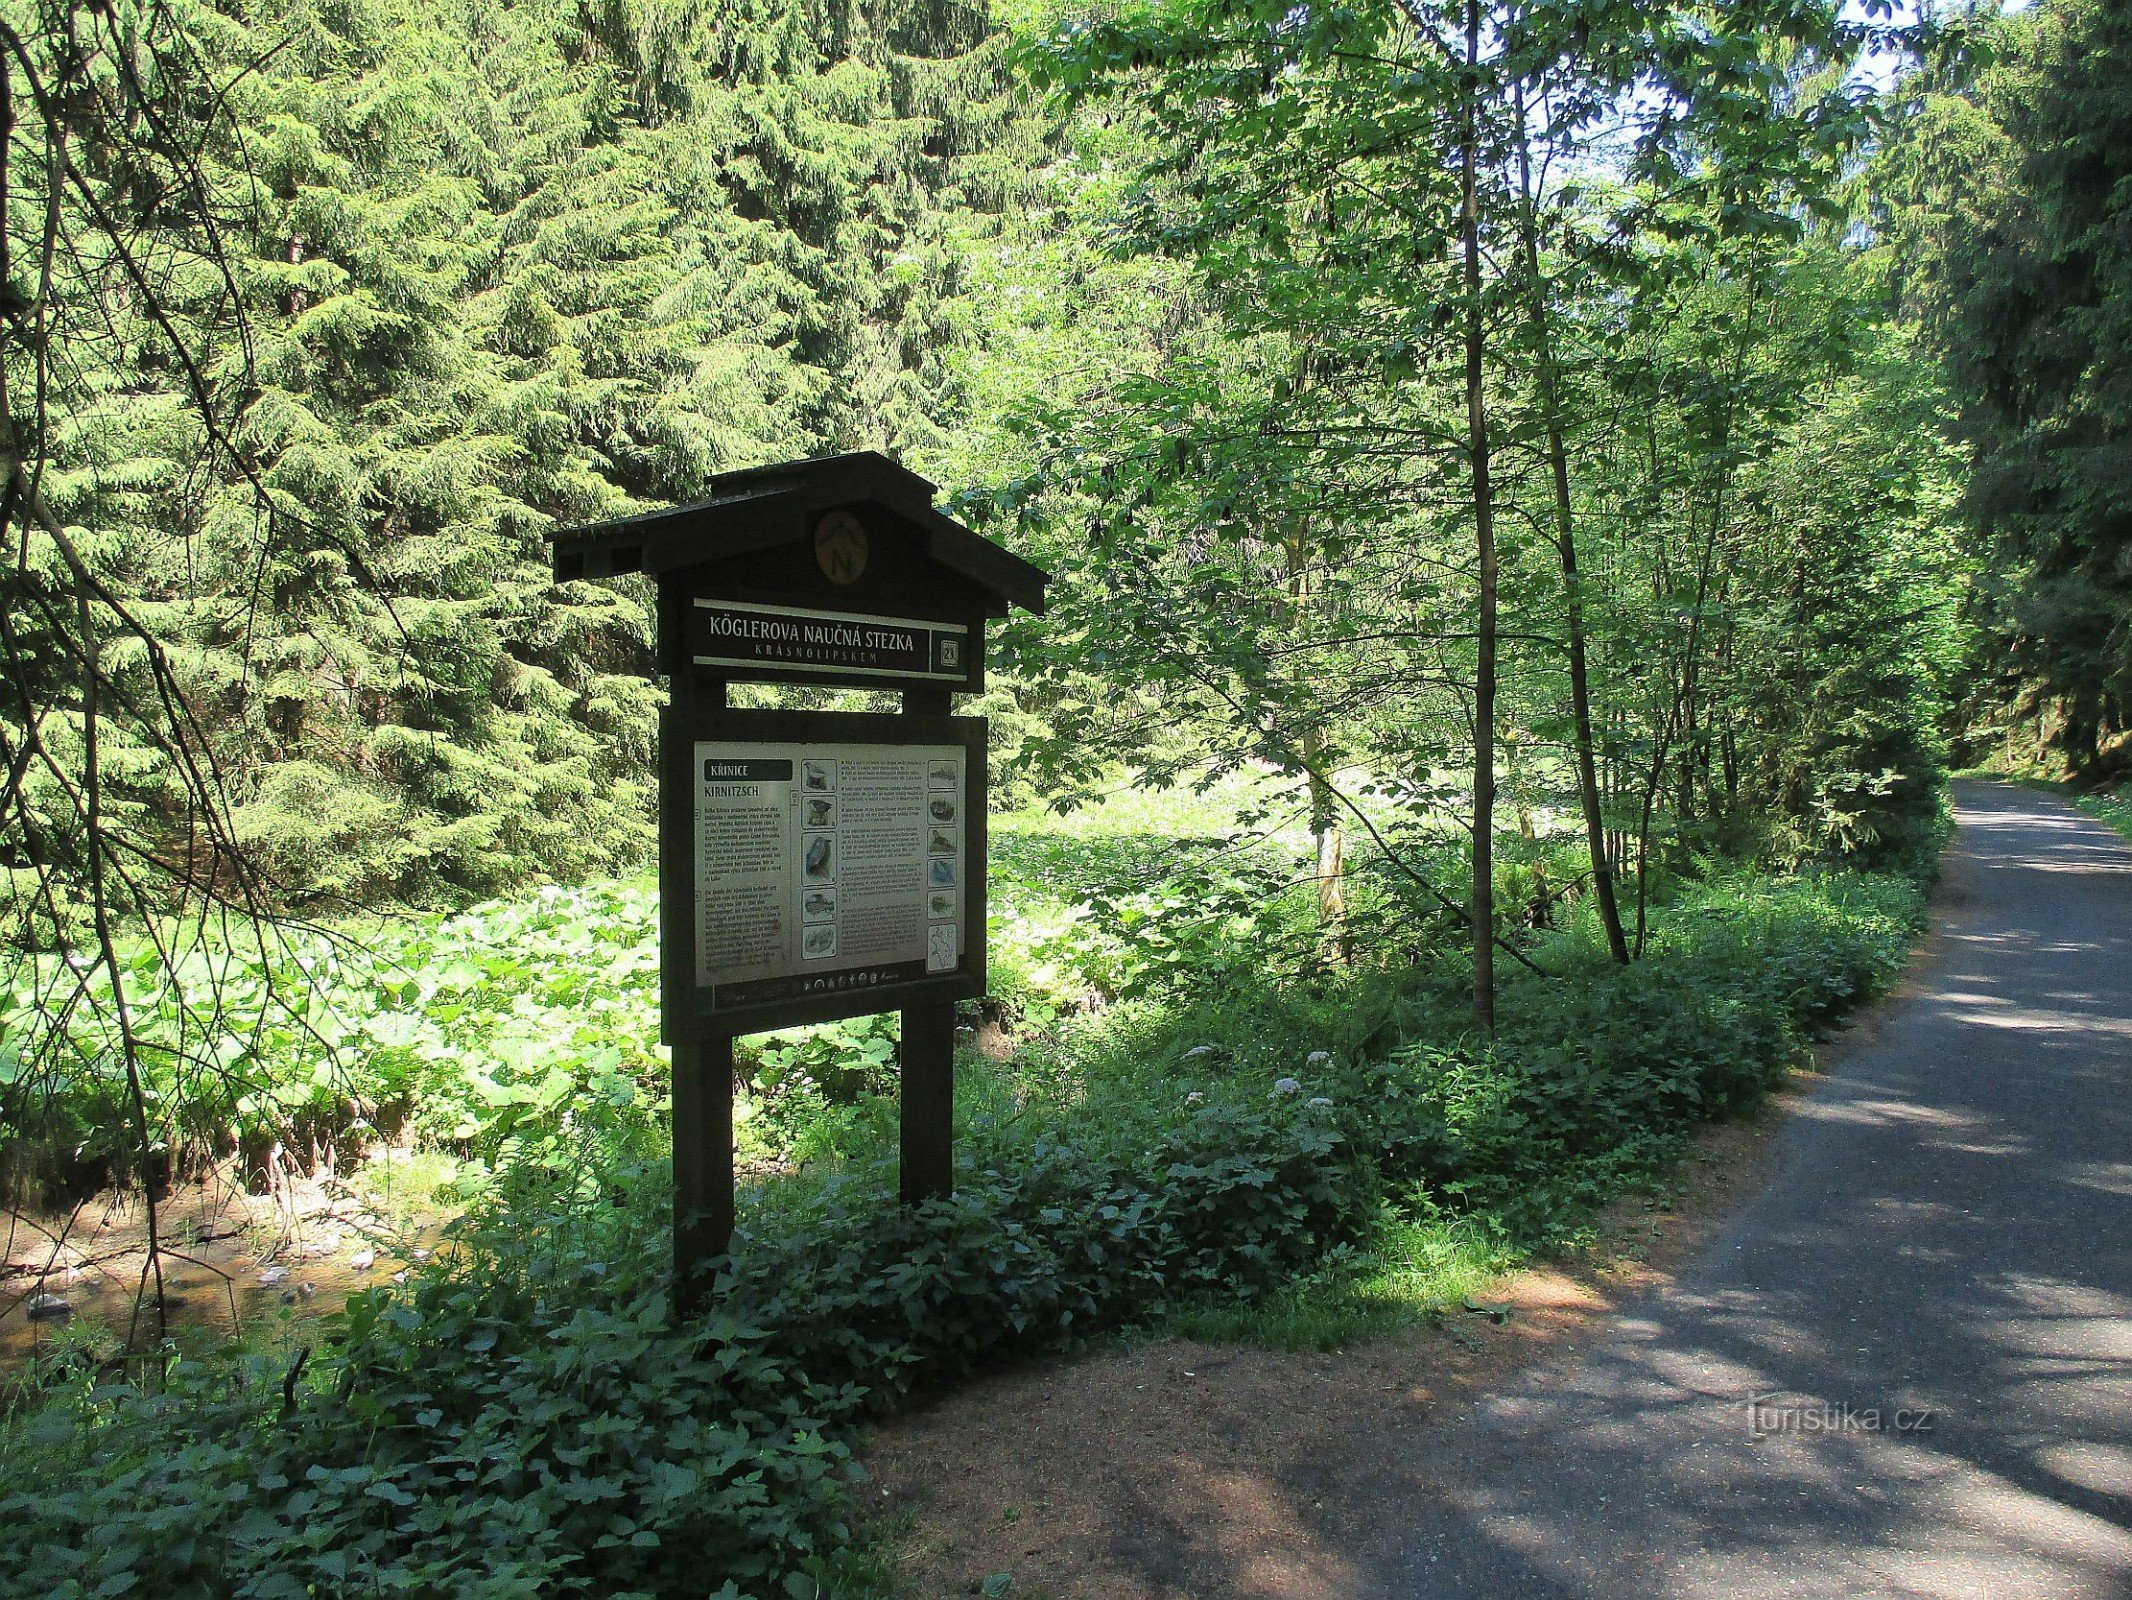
(1931, 1302)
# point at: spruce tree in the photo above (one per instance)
(501, 269)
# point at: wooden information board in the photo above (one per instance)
(813, 864)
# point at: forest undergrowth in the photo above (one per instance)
(1177, 1131)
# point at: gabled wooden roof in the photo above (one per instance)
(763, 507)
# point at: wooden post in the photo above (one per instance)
(703, 1058)
(927, 1120)
(928, 1109)
(703, 1160)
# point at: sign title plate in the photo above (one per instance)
(741, 636)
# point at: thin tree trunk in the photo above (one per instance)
(1580, 683)
(1483, 911)
(1324, 805)
(1332, 850)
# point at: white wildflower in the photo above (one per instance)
(1286, 1086)
(1319, 1101)
(1318, 1058)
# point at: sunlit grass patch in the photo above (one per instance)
(405, 1188)
(1414, 1265)
(2112, 810)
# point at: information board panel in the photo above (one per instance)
(824, 868)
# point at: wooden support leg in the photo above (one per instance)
(928, 1101)
(703, 1161)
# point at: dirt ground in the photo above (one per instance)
(1173, 1470)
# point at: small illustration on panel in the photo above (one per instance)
(819, 776)
(940, 947)
(821, 813)
(940, 872)
(942, 807)
(820, 860)
(940, 775)
(942, 843)
(940, 903)
(816, 943)
(819, 905)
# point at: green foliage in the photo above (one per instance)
(475, 1033)
(526, 1414)
(507, 1031)
(510, 1425)
(1254, 485)
(2113, 809)
(1840, 673)
(2006, 190)
(1417, 1261)
(501, 268)
(824, 1093)
(505, 267)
